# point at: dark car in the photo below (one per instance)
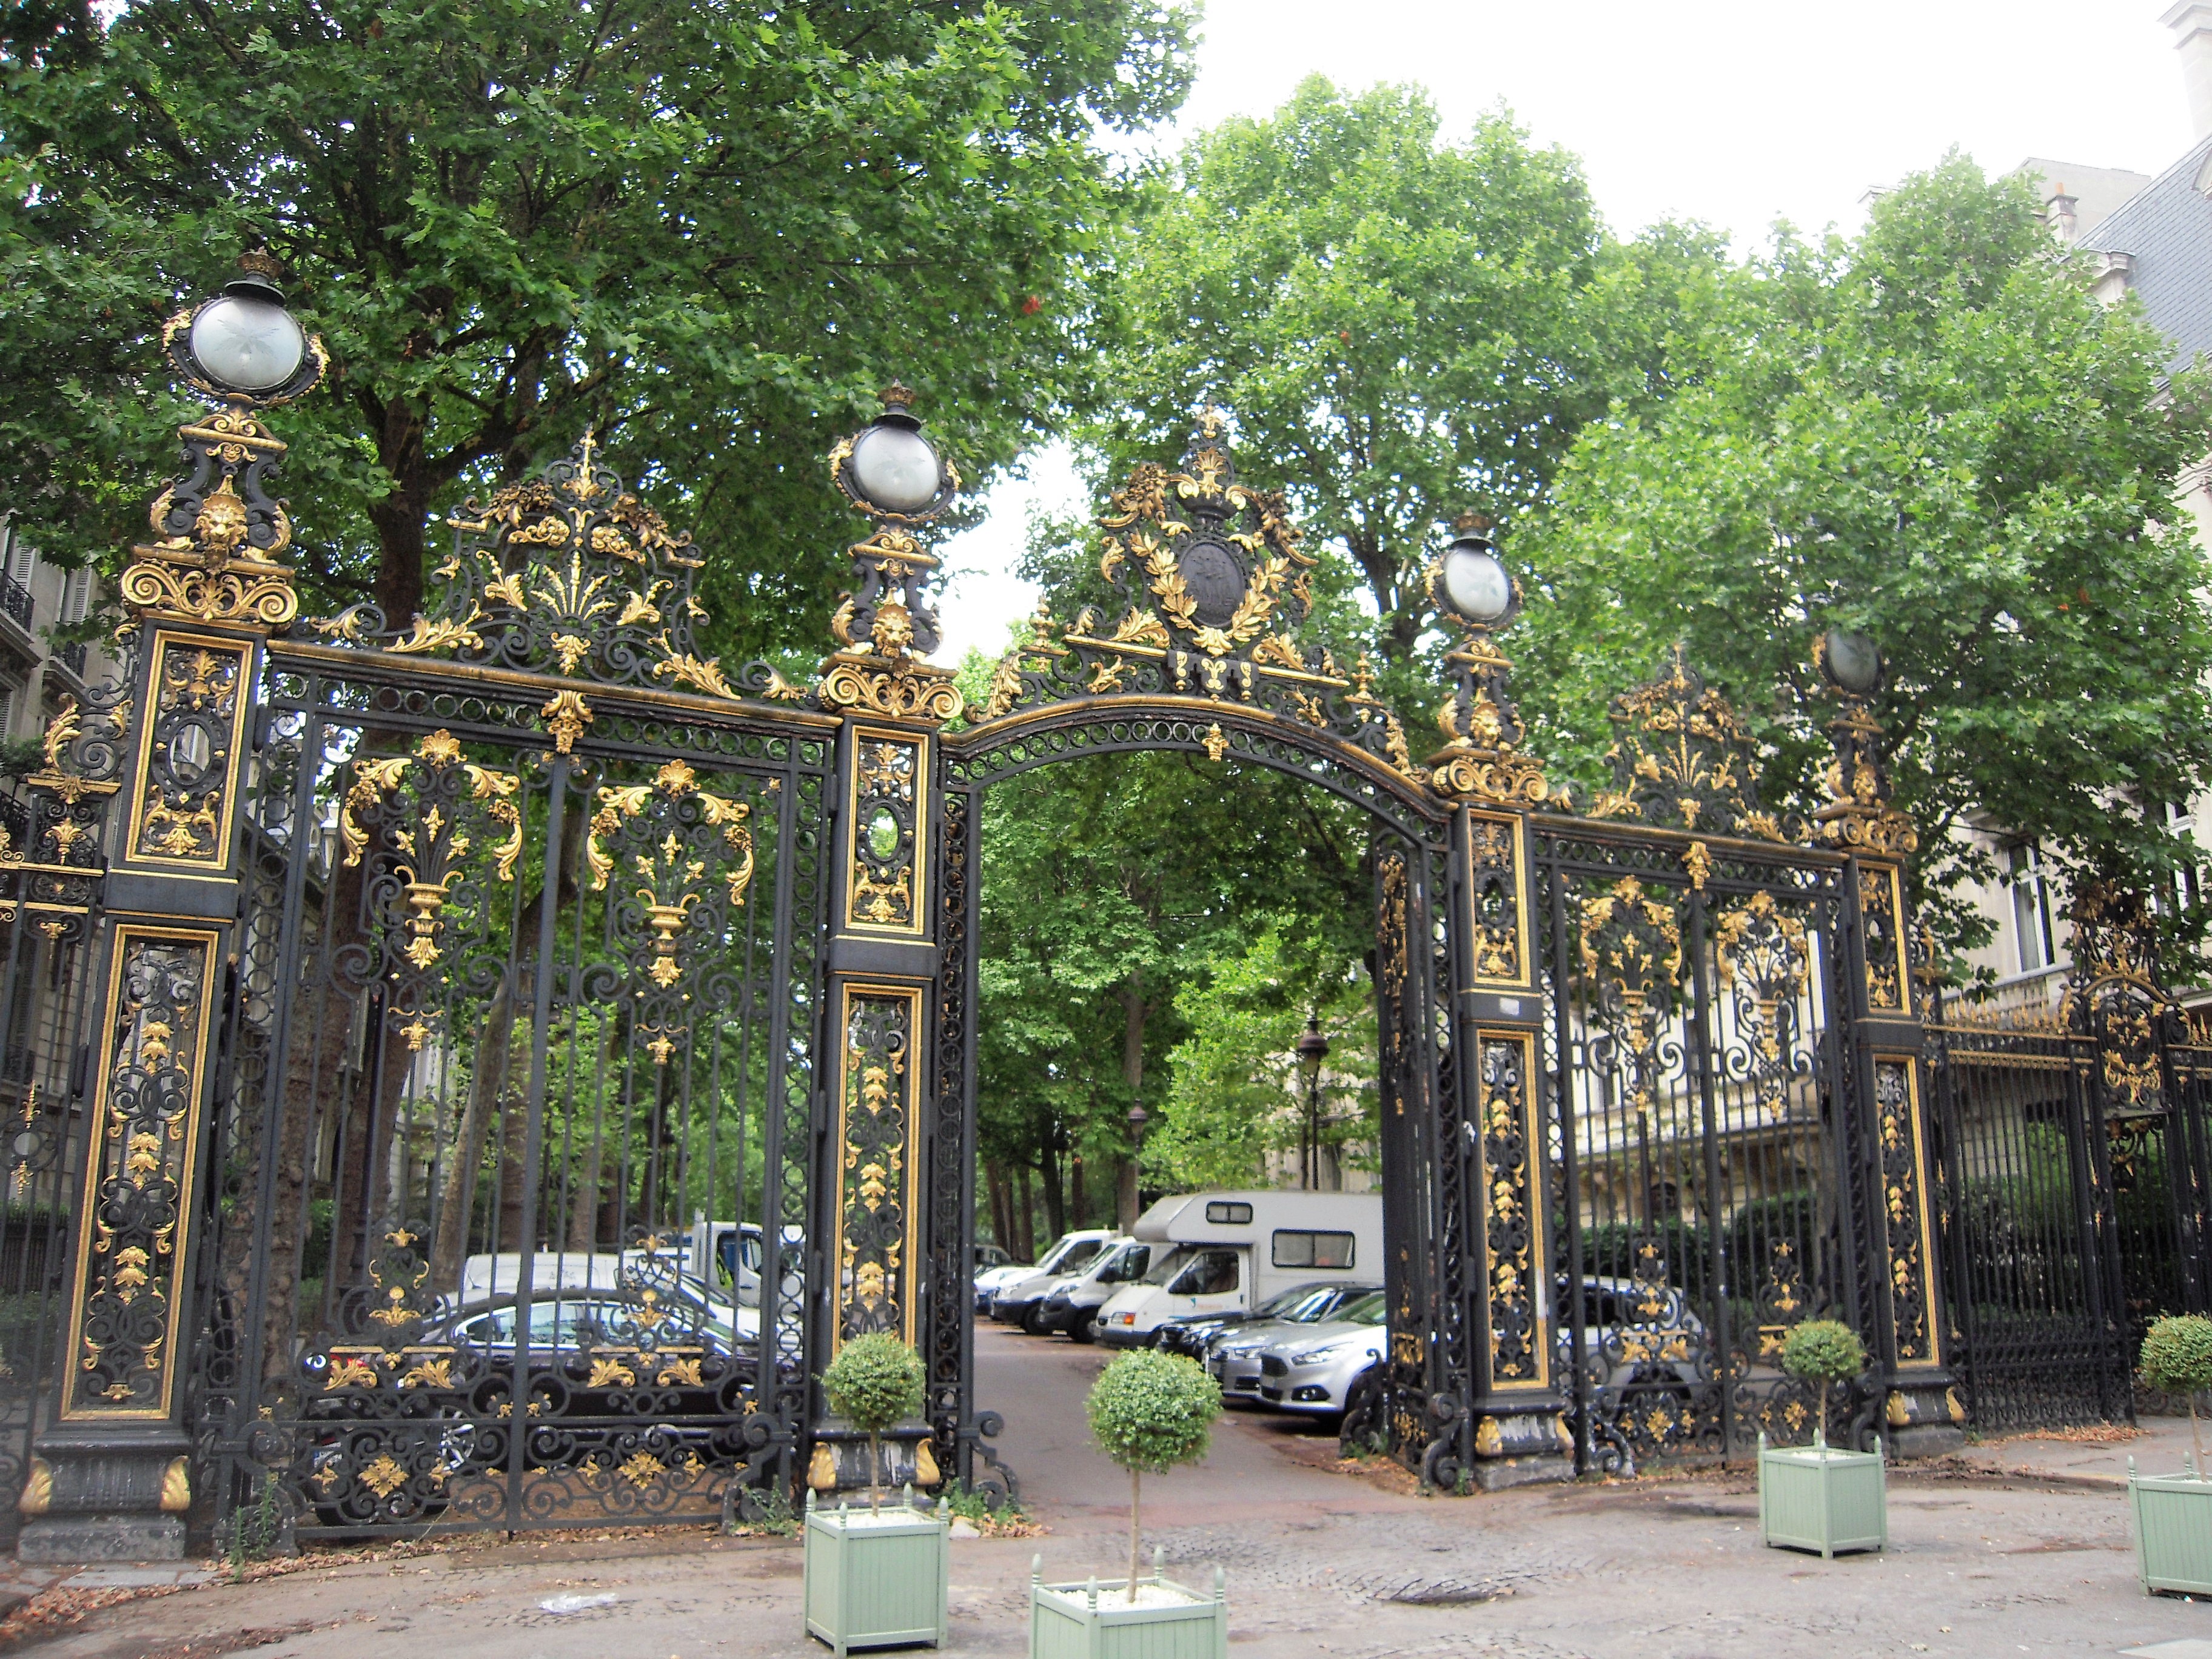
(1194, 1334)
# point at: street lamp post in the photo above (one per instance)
(1313, 1049)
(110, 1474)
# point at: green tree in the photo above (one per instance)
(1151, 1411)
(1235, 1093)
(1404, 330)
(1934, 434)
(710, 230)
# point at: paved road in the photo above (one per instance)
(1039, 1383)
(1320, 1566)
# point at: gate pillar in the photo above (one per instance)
(875, 1253)
(1889, 1136)
(109, 1476)
(1516, 1433)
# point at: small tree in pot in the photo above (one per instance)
(2177, 1358)
(1823, 1352)
(874, 1383)
(2173, 1512)
(1151, 1411)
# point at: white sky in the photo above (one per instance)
(1732, 113)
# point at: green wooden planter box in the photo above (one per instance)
(2173, 1530)
(878, 1580)
(1816, 1497)
(1096, 1621)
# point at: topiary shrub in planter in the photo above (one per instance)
(2173, 1512)
(1150, 1412)
(1816, 1497)
(874, 1383)
(877, 1576)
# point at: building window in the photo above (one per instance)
(2183, 890)
(1305, 1249)
(2031, 908)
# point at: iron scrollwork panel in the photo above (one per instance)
(1510, 1206)
(878, 1144)
(142, 1131)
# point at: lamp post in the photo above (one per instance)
(1482, 760)
(1132, 1187)
(1313, 1049)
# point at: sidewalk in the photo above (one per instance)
(2096, 1459)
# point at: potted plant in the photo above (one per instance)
(877, 1576)
(1818, 1496)
(2173, 1512)
(1150, 1412)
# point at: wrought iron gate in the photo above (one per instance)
(484, 1066)
(2075, 1138)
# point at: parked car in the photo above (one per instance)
(1312, 1371)
(1638, 1334)
(1231, 1252)
(1015, 1301)
(1193, 1335)
(991, 1280)
(1072, 1303)
(1231, 1353)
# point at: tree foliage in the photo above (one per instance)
(1151, 1411)
(710, 230)
(1934, 434)
(1404, 330)
(2177, 1354)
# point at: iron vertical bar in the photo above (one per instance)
(1704, 1041)
(1555, 883)
(280, 1040)
(548, 916)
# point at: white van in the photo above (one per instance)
(1018, 1299)
(1229, 1252)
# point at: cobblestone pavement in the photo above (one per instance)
(1319, 1563)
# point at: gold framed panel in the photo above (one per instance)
(1510, 1213)
(146, 801)
(1907, 1208)
(1888, 979)
(889, 771)
(1495, 845)
(168, 1155)
(877, 1152)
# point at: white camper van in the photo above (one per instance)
(1229, 1252)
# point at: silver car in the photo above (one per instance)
(1232, 1352)
(1312, 1371)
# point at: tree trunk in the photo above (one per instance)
(1002, 1208)
(1136, 1481)
(1025, 1213)
(515, 1174)
(486, 1082)
(1056, 1200)
(1076, 1207)
(1130, 1198)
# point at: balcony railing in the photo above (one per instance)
(71, 657)
(16, 600)
(16, 819)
